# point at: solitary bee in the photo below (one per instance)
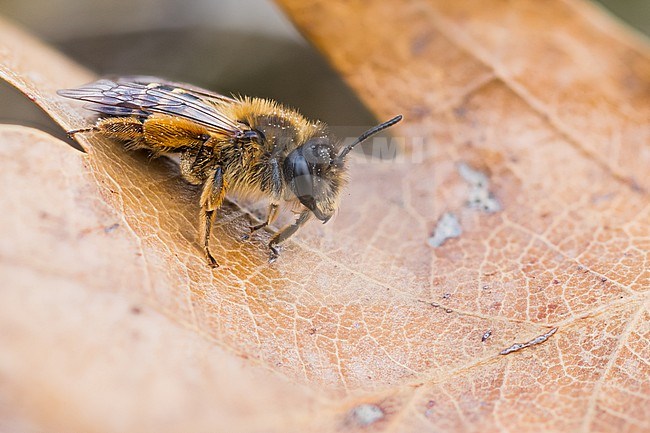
(249, 146)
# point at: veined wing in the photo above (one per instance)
(188, 88)
(133, 96)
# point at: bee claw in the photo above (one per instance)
(275, 253)
(211, 260)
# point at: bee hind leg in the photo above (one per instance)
(71, 133)
(214, 191)
(126, 129)
(286, 233)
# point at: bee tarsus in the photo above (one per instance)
(273, 254)
(211, 260)
(286, 233)
(71, 133)
(271, 216)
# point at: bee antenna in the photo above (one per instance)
(369, 133)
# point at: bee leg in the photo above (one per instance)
(126, 129)
(276, 190)
(207, 219)
(286, 233)
(270, 217)
(214, 191)
(71, 133)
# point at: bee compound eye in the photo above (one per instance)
(303, 187)
(304, 180)
(297, 173)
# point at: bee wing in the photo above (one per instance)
(189, 88)
(124, 97)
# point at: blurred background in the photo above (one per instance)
(231, 46)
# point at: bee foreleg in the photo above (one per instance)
(270, 217)
(286, 233)
(214, 191)
(276, 190)
(276, 178)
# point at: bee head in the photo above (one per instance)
(314, 171)
(314, 177)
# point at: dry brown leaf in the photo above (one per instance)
(111, 321)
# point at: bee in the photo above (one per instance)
(251, 147)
